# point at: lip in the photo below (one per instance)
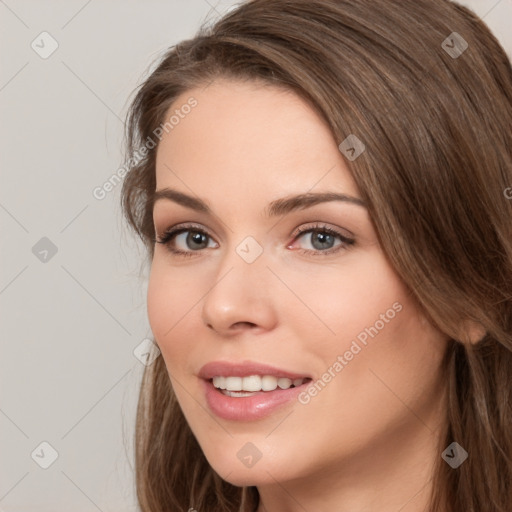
(245, 369)
(250, 408)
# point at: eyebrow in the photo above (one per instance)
(275, 208)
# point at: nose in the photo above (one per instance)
(240, 298)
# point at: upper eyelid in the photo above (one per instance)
(313, 225)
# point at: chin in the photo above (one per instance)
(232, 469)
(245, 477)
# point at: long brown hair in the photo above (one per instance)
(428, 89)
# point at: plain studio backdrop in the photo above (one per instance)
(73, 312)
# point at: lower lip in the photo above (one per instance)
(248, 408)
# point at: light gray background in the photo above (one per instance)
(70, 325)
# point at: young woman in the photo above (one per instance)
(325, 192)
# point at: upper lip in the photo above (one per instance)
(245, 369)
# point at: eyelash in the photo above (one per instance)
(169, 235)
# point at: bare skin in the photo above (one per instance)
(365, 442)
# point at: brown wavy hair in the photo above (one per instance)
(438, 163)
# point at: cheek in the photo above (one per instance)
(159, 303)
(392, 360)
(347, 299)
(169, 300)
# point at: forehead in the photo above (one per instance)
(248, 135)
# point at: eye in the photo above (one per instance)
(322, 239)
(185, 240)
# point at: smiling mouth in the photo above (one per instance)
(239, 387)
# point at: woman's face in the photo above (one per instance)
(299, 285)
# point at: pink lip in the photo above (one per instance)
(249, 408)
(245, 369)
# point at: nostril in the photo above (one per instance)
(244, 324)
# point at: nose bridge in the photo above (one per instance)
(240, 292)
(245, 261)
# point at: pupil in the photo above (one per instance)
(196, 238)
(325, 240)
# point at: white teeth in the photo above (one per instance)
(284, 383)
(234, 383)
(268, 383)
(254, 383)
(236, 394)
(219, 382)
